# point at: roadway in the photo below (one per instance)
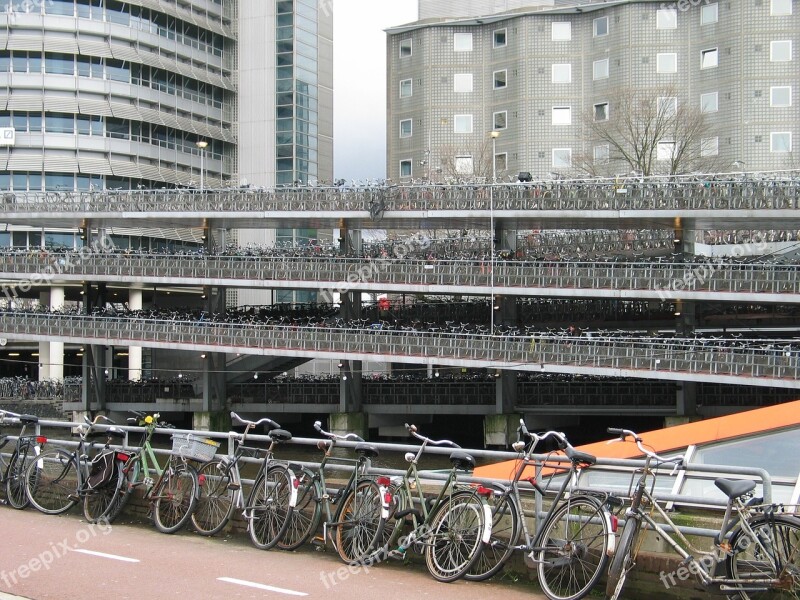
(132, 561)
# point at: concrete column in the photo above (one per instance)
(500, 430)
(134, 352)
(344, 423)
(56, 358)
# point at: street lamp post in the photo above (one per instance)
(202, 145)
(494, 135)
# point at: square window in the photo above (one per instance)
(405, 168)
(562, 158)
(665, 150)
(600, 27)
(405, 128)
(780, 96)
(405, 48)
(601, 111)
(709, 13)
(406, 88)
(709, 102)
(462, 42)
(500, 79)
(462, 83)
(462, 124)
(780, 51)
(780, 141)
(601, 154)
(667, 62)
(561, 31)
(561, 73)
(709, 58)
(667, 106)
(600, 69)
(562, 115)
(709, 146)
(500, 38)
(780, 7)
(463, 165)
(500, 120)
(667, 18)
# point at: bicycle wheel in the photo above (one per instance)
(572, 548)
(359, 523)
(130, 472)
(774, 555)
(268, 510)
(305, 517)
(51, 481)
(624, 558)
(15, 481)
(217, 498)
(174, 498)
(97, 503)
(455, 540)
(506, 526)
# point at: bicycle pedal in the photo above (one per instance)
(73, 497)
(234, 486)
(319, 542)
(397, 554)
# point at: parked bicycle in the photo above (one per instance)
(450, 529)
(270, 502)
(759, 544)
(13, 467)
(570, 546)
(355, 515)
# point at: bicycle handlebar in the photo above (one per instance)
(270, 423)
(559, 436)
(348, 437)
(412, 429)
(624, 434)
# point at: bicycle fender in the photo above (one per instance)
(295, 483)
(386, 499)
(487, 523)
(611, 547)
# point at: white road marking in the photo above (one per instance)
(261, 586)
(104, 555)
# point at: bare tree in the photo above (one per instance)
(470, 162)
(650, 131)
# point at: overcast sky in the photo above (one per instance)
(359, 82)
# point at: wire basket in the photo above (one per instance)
(193, 447)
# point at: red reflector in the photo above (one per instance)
(296, 483)
(614, 523)
(201, 479)
(384, 481)
(484, 491)
(123, 457)
(531, 480)
(41, 440)
(387, 498)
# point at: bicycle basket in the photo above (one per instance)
(193, 447)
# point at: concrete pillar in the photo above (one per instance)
(134, 352)
(44, 361)
(350, 386)
(352, 422)
(56, 358)
(211, 421)
(500, 430)
(686, 399)
(506, 392)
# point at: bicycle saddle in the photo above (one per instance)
(280, 435)
(367, 450)
(734, 488)
(28, 419)
(578, 457)
(462, 461)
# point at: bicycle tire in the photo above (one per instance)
(16, 496)
(455, 539)
(778, 534)
(359, 523)
(268, 510)
(51, 482)
(217, 498)
(623, 560)
(130, 470)
(98, 503)
(506, 528)
(577, 531)
(306, 515)
(174, 498)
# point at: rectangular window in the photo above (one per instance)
(601, 154)
(780, 141)
(709, 13)
(500, 120)
(709, 59)
(500, 79)
(601, 111)
(667, 62)
(600, 27)
(462, 42)
(561, 73)
(780, 51)
(561, 31)
(562, 158)
(709, 102)
(406, 128)
(462, 83)
(665, 150)
(667, 106)
(667, 18)
(405, 48)
(406, 88)
(500, 162)
(462, 124)
(463, 165)
(405, 168)
(562, 115)
(780, 96)
(600, 69)
(500, 38)
(709, 146)
(780, 7)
